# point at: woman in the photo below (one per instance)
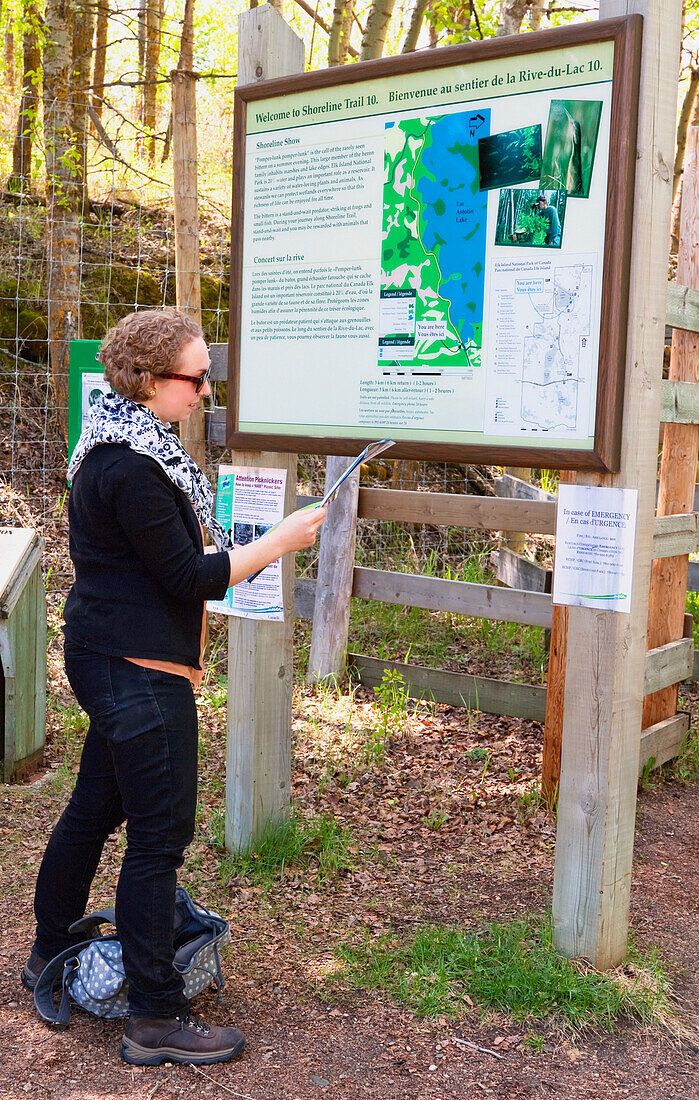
(134, 625)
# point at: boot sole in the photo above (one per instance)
(28, 979)
(137, 1055)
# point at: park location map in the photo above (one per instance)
(433, 243)
(422, 256)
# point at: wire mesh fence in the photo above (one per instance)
(123, 234)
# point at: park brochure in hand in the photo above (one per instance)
(366, 455)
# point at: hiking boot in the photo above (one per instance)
(32, 969)
(149, 1040)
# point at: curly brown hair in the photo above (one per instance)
(142, 346)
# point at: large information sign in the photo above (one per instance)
(436, 248)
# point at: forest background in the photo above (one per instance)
(86, 147)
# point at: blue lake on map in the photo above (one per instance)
(453, 213)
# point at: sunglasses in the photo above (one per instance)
(198, 381)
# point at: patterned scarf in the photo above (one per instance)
(116, 419)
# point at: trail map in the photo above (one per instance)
(433, 246)
(543, 343)
(555, 352)
(423, 253)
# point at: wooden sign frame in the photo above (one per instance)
(625, 33)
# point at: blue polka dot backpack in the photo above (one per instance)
(91, 973)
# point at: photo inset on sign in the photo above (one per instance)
(571, 140)
(243, 534)
(530, 217)
(509, 158)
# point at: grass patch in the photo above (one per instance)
(686, 766)
(295, 843)
(393, 632)
(71, 724)
(437, 639)
(692, 608)
(510, 968)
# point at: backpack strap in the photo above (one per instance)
(89, 927)
(55, 975)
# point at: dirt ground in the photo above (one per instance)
(441, 841)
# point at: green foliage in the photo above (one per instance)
(510, 967)
(535, 227)
(435, 819)
(479, 753)
(68, 741)
(692, 608)
(530, 801)
(293, 843)
(686, 766)
(442, 639)
(392, 696)
(548, 480)
(453, 23)
(645, 781)
(532, 1041)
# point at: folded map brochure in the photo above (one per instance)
(367, 454)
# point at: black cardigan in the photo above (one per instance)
(141, 575)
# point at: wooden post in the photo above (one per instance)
(331, 614)
(260, 683)
(555, 702)
(678, 467)
(516, 541)
(260, 654)
(555, 692)
(605, 676)
(187, 280)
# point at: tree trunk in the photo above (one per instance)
(683, 126)
(413, 31)
(690, 110)
(141, 20)
(63, 198)
(21, 177)
(512, 13)
(185, 64)
(406, 474)
(82, 67)
(345, 48)
(100, 56)
(536, 14)
(10, 73)
(154, 21)
(340, 31)
(678, 467)
(187, 241)
(376, 29)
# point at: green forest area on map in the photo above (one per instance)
(434, 239)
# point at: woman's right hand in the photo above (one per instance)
(293, 533)
(301, 528)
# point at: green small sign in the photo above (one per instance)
(85, 385)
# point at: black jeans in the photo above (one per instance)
(139, 765)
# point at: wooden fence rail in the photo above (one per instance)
(682, 307)
(481, 601)
(673, 535)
